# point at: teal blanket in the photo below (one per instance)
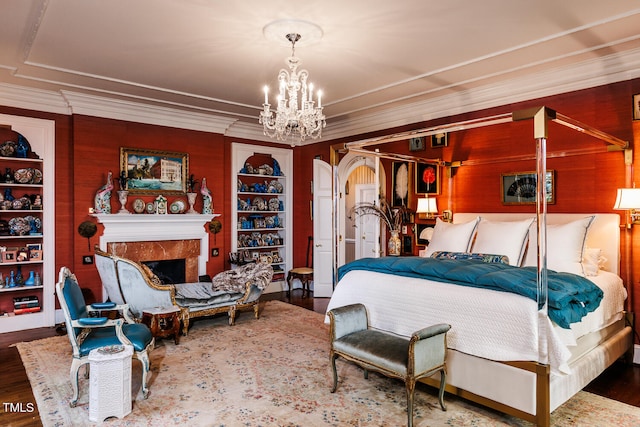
(570, 297)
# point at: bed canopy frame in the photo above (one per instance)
(541, 117)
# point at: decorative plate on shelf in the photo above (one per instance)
(37, 222)
(274, 204)
(260, 204)
(151, 207)
(277, 186)
(138, 206)
(268, 170)
(177, 207)
(19, 226)
(8, 149)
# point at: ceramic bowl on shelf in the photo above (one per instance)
(23, 176)
(37, 176)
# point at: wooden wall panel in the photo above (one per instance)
(96, 147)
(88, 147)
(585, 181)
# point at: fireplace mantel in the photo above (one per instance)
(145, 227)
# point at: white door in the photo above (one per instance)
(323, 248)
(367, 234)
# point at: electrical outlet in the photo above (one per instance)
(87, 259)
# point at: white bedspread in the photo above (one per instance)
(490, 324)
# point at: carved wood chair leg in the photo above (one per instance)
(232, 316)
(73, 374)
(411, 386)
(256, 310)
(144, 360)
(443, 381)
(185, 325)
(333, 357)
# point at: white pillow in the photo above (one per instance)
(452, 237)
(565, 245)
(503, 238)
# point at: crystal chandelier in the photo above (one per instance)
(292, 120)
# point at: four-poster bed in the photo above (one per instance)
(529, 386)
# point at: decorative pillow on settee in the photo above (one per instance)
(490, 258)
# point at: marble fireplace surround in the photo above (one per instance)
(144, 237)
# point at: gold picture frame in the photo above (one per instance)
(153, 172)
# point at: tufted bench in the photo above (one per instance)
(408, 359)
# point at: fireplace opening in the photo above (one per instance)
(169, 271)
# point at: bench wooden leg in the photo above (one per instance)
(443, 381)
(411, 387)
(333, 358)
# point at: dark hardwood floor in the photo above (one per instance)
(620, 382)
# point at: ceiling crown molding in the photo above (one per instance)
(596, 72)
(32, 99)
(144, 113)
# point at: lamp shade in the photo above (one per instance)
(628, 198)
(427, 205)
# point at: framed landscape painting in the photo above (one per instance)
(153, 172)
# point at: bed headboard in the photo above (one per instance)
(604, 232)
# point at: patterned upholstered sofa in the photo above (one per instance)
(229, 291)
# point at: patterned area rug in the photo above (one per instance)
(273, 371)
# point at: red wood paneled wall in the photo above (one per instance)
(586, 173)
(88, 147)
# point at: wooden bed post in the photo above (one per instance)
(543, 396)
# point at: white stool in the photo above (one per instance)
(110, 382)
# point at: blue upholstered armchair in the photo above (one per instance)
(87, 333)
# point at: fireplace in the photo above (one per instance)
(187, 251)
(168, 270)
(144, 237)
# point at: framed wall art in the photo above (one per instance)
(407, 244)
(153, 172)
(439, 140)
(427, 178)
(424, 233)
(636, 106)
(417, 144)
(401, 180)
(520, 188)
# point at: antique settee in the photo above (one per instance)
(229, 291)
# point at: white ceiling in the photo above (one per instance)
(380, 63)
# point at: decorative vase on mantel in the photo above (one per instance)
(122, 198)
(394, 246)
(191, 197)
